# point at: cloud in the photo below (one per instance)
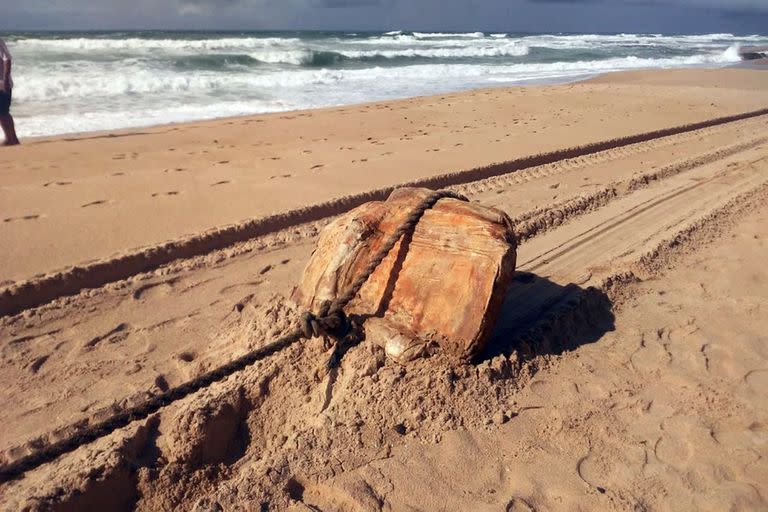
(342, 4)
(196, 7)
(725, 5)
(739, 16)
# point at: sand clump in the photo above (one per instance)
(307, 425)
(288, 424)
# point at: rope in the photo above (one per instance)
(330, 321)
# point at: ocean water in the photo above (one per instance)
(79, 82)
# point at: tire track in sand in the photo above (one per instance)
(564, 252)
(35, 292)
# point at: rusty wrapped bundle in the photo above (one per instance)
(443, 284)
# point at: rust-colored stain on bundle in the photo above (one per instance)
(444, 283)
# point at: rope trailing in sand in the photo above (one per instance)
(330, 321)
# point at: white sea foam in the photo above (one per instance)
(67, 84)
(435, 35)
(82, 44)
(508, 50)
(93, 83)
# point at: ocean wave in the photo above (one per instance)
(142, 44)
(507, 50)
(213, 62)
(442, 35)
(599, 41)
(74, 82)
(94, 84)
(320, 58)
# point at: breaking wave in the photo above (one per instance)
(69, 82)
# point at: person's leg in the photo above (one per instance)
(6, 121)
(9, 129)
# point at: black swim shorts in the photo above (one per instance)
(5, 102)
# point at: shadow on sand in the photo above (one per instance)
(540, 317)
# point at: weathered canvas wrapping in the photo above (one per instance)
(444, 284)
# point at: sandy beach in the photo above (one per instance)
(68, 201)
(627, 371)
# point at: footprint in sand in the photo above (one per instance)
(162, 383)
(57, 183)
(155, 289)
(650, 355)
(116, 335)
(240, 305)
(37, 363)
(315, 167)
(757, 380)
(519, 505)
(23, 217)
(94, 203)
(119, 174)
(187, 356)
(220, 183)
(248, 284)
(170, 193)
(223, 162)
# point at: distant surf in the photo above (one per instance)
(77, 82)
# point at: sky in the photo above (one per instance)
(648, 16)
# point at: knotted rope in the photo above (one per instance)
(329, 321)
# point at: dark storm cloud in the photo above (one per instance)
(739, 16)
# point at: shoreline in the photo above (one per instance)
(122, 132)
(532, 82)
(70, 202)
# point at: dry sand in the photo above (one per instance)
(72, 200)
(627, 372)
